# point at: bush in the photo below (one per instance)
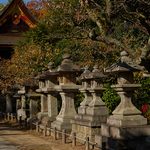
(110, 97)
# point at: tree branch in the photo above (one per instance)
(113, 41)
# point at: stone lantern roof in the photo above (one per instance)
(67, 65)
(50, 72)
(125, 64)
(85, 74)
(32, 82)
(96, 73)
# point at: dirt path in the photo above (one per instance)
(29, 140)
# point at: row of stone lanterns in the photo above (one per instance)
(92, 118)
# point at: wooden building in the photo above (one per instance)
(15, 18)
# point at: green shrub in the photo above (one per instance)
(110, 97)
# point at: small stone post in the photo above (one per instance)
(25, 122)
(5, 115)
(16, 118)
(37, 127)
(63, 136)
(44, 132)
(20, 119)
(8, 115)
(55, 133)
(87, 143)
(73, 140)
(31, 124)
(12, 117)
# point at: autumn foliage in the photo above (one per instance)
(37, 8)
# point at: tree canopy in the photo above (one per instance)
(121, 23)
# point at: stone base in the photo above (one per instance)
(82, 110)
(125, 132)
(91, 121)
(23, 112)
(97, 111)
(61, 125)
(128, 144)
(40, 115)
(134, 120)
(86, 123)
(83, 131)
(91, 118)
(48, 120)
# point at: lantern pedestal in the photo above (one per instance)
(33, 104)
(85, 102)
(52, 106)
(89, 124)
(67, 111)
(126, 113)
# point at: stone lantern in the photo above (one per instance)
(126, 123)
(44, 104)
(95, 110)
(97, 107)
(18, 101)
(30, 89)
(67, 88)
(22, 111)
(126, 112)
(51, 78)
(88, 98)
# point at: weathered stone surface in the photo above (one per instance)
(33, 108)
(18, 104)
(83, 131)
(40, 115)
(9, 105)
(78, 117)
(86, 123)
(97, 111)
(82, 110)
(118, 120)
(125, 132)
(48, 120)
(52, 105)
(44, 104)
(23, 99)
(66, 113)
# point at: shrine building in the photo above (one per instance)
(15, 19)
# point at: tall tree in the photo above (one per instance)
(123, 23)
